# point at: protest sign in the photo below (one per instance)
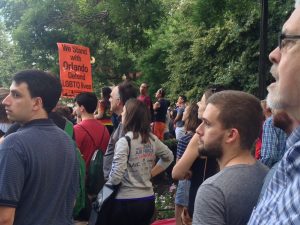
(75, 69)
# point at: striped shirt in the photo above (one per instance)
(182, 144)
(280, 203)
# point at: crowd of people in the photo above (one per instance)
(237, 158)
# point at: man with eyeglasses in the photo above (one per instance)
(118, 97)
(280, 202)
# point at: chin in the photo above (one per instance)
(274, 101)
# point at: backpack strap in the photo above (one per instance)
(69, 128)
(91, 135)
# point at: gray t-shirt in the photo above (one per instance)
(229, 196)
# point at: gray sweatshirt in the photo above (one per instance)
(134, 175)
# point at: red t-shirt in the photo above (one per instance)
(91, 135)
(146, 100)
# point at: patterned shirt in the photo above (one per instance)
(182, 144)
(280, 203)
(273, 143)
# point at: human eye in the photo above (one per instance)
(15, 94)
(206, 123)
(286, 43)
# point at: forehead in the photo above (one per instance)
(211, 113)
(115, 91)
(292, 25)
(21, 87)
(143, 85)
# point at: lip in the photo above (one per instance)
(272, 85)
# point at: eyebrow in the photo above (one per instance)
(205, 120)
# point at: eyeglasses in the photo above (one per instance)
(284, 38)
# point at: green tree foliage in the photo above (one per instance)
(211, 42)
(181, 45)
(114, 30)
(10, 59)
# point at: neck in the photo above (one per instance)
(87, 116)
(38, 115)
(239, 157)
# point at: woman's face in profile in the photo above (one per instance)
(201, 104)
(123, 114)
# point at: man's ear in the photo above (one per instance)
(81, 108)
(37, 103)
(232, 135)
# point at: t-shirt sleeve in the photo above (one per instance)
(209, 206)
(12, 174)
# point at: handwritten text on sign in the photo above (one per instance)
(75, 69)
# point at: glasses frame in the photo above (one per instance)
(283, 36)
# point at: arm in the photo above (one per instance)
(182, 167)
(7, 215)
(165, 156)
(178, 116)
(119, 164)
(12, 173)
(156, 105)
(100, 110)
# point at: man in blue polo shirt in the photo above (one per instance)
(39, 171)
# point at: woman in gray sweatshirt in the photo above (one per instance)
(133, 166)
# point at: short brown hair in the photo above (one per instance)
(192, 121)
(137, 119)
(239, 110)
(127, 90)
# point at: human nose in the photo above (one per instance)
(275, 56)
(6, 100)
(200, 130)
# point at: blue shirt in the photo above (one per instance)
(182, 144)
(273, 143)
(39, 174)
(180, 110)
(280, 203)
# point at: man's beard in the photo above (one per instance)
(274, 100)
(214, 150)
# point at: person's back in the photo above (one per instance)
(136, 181)
(37, 147)
(39, 174)
(229, 196)
(132, 168)
(90, 135)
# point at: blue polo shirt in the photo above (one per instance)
(39, 174)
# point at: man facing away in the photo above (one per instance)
(178, 122)
(231, 124)
(280, 202)
(90, 134)
(160, 111)
(118, 97)
(39, 174)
